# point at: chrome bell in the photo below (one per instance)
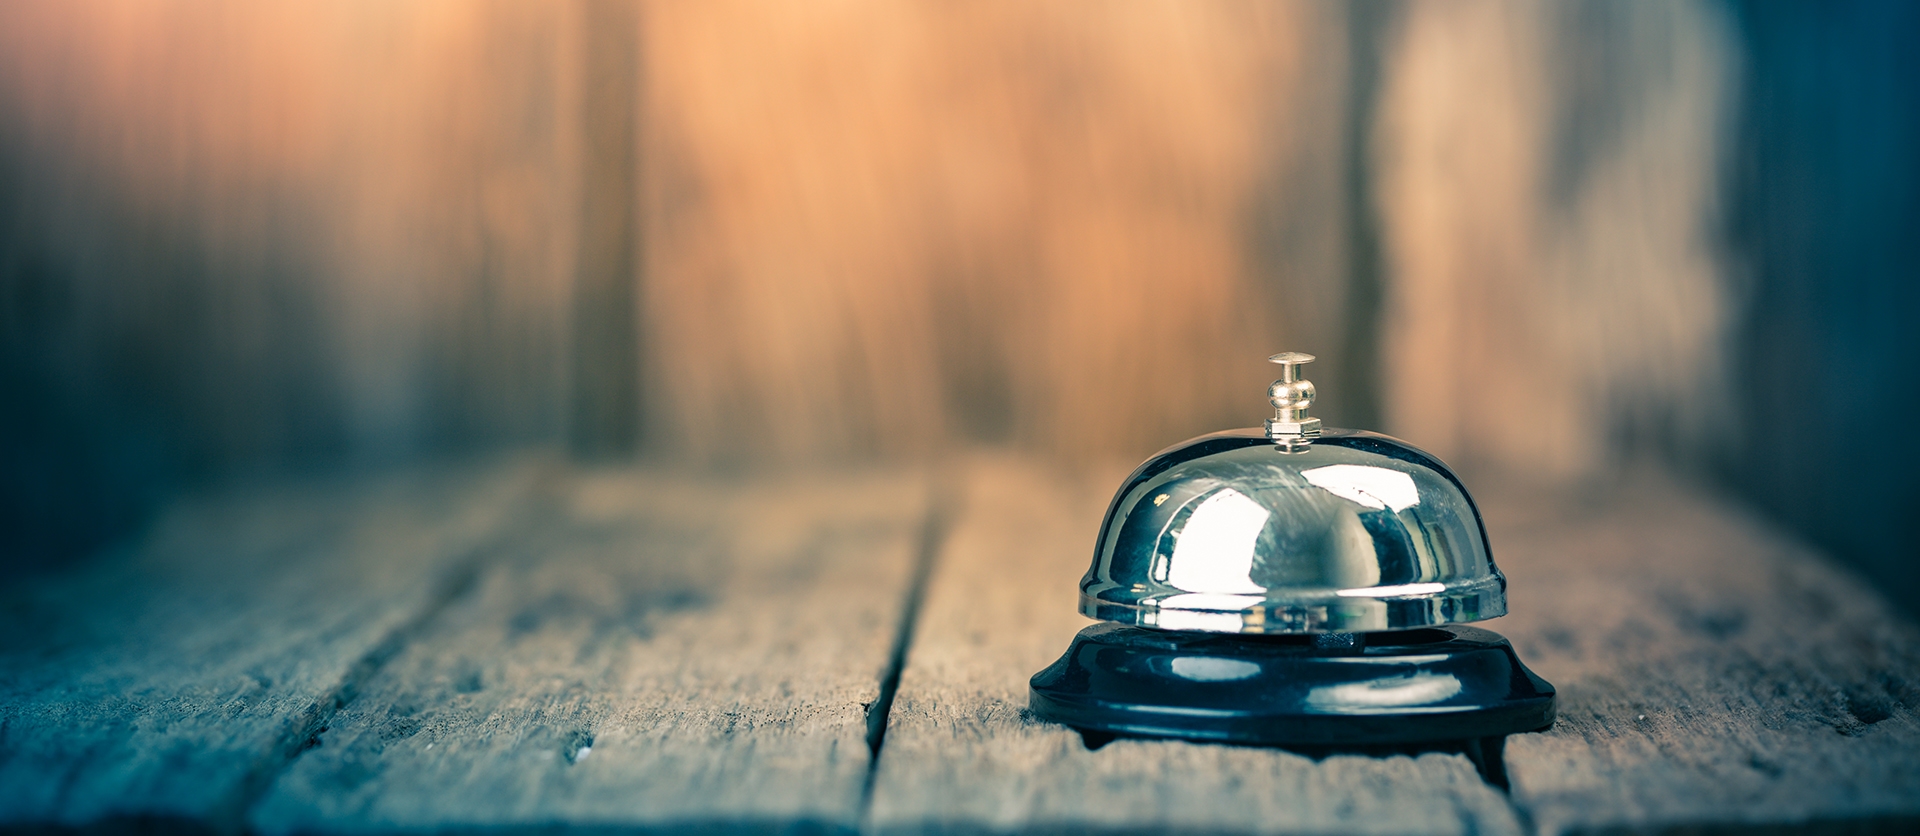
(1295, 585)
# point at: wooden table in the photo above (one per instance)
(525, 645)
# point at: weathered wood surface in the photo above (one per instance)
(1711, 673)
(533, 647)
(666, 652)
(961, 753)
(172, 680)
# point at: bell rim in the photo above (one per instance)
(1336, 611)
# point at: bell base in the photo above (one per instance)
(1430, 685)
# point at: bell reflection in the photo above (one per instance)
(1214, 551)
(1351, 556)
(1396, 692)
(1374, 487)
(1211, 669)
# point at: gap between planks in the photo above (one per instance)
(943, 508)
(455, 583)
(747, 705)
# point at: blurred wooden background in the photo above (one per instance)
(242, 238)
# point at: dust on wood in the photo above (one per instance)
(1711, 672)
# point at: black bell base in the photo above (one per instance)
(1430, 685)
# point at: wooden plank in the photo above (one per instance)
(171, 680)
(676, 652)
(1710, 672)
(961, 754)
(671, 652)
(605, 420)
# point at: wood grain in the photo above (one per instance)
(1711, 673)
(170, 680)
(670, 652)
(962, 755)
(528, 647)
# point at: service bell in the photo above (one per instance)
(1291, 584)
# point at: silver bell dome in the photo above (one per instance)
(1292, 529)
